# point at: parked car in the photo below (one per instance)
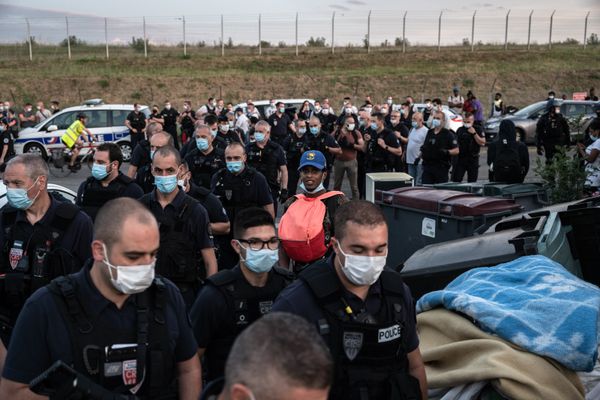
(105, 121)
(291, 105)
(56, 190)
(453, 121)
(579, 114)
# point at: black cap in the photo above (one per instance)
(239, 109)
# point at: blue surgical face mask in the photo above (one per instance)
(314, 130)
(99, 171)
(259, 136)
(235, 166)
(202, 144)
(260, 261)
(281, 110)
(414, 124)
(152, 154)
(1, 128)
(374, 125)
(214, 132)
(316, 190)
(435, 123)
(17, 197)
(165, 184)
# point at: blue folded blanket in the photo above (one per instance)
(532, 302)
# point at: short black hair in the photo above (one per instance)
(250, 218)
(595, 125)
(360, 212)
(210, 119)
(114, 151)
(379, 116)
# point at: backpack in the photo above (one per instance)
(507, 166)
(301, 229)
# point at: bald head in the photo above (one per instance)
(113, 216)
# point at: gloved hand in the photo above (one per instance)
(283, 195)
(540, 151)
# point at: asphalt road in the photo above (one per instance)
(73, 180)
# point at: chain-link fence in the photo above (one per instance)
(297, 33)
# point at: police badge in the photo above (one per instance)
(15, 254)
(353, 342)
(228, 194)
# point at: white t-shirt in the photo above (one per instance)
(592, 170)
(416, 137)
(243, 123)
(456, 99)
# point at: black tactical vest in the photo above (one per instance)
(245, 305)
(265, 161)
(118, 369)
(233, 190)
(369, 351)
(204, 166)
(95, 195)
(145, 179)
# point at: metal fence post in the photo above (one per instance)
(440, 31)
(473, 32)
(585, 30)
(369, 33)
(529, 31)
(68, 37)
(222, 38)
(296, 34)
(29, 39)
(145, 38)
(106, 35)
(550, 34)
(506, 32)
(404, 32)
(184, 37)
(259, 36)
(333, 33)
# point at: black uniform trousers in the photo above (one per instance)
(470, 165)
(434, 173)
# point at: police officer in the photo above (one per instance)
(268, 158)
(8, 148)
(294, 147)
(106, 182)
(141, 153)
(205, 160)
(234, 298)
(439, 145)
(186, 254)
(228, 134)
(219, 221)
(136, 122)
(280, 123)
(364, 126)
(211, 121)
(552, 130)
(41, 237)
(470, 140)
(322, 141)
(238, 186)
(169, 116)
(364, 312)
(381, 146)
(187, 120)
(114, 322)
(144, 177)
(327, 118)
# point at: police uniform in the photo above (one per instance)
(327, 122)
(184, 232)
(294, 147)
(203, 166)
(170, 125)
(552, 130)
(7, 140)
(237, 192)
(222, 140)
(369, 340)
(141, 154)
(70, 320)
(279, 126)
(91, 195)
(267, 161)
(137, 120)
(379, 159)
(144, 178)
(321, 142)
(187, 125)
(32, 255)
(212, 204)
(468, 156)
(436, 160)
(361, 159)
(226, 305)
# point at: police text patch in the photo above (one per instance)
(389, 334)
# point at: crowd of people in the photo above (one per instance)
(157, 282)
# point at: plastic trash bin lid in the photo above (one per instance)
(390, 176)
(446, 202)
(472, 187)
(500, 189)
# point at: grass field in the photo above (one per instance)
(523, 77)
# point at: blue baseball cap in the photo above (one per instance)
(313, 158)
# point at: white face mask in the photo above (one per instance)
(362, 270)
(131, 279)
(351, 127)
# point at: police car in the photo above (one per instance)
(58, 191)
(105, 121)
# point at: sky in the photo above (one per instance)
(203, 23)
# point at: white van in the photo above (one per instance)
(105, 121)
